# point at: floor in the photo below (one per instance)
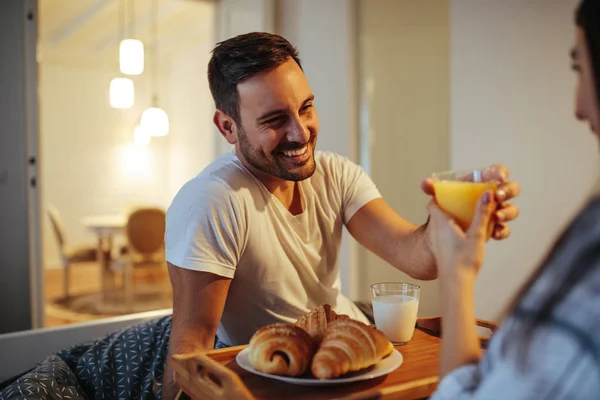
(153, 291)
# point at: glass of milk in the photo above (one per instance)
(395, 306)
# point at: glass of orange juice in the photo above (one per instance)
(458, 192)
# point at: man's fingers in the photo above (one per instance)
(507, 191)
(427, 186)
(501, 232)
(507, 212)
(496, 172)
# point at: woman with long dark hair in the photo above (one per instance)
(549, 345)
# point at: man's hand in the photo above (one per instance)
(506, 191)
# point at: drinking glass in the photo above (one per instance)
(458, 192)
(395, 307)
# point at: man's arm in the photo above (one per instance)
(380, 229)
(198, 302)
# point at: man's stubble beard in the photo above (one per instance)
(269, 165)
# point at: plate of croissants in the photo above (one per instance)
(320, 348)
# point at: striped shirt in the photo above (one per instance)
(561, 357)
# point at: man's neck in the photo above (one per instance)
(287, 192)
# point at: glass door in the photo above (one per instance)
(105, 170)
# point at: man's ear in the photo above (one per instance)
(226, 125)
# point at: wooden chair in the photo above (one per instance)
(68, 254)
(145, 233)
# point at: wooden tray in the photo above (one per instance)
(216, 374)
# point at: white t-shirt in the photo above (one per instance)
(226, 222)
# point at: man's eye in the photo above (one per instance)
(307, 106)
(274, 121)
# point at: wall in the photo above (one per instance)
(404, 56)
(192, 144)
(90, 163)
(512, 101)
(324, 33)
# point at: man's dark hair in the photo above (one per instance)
(239, 58)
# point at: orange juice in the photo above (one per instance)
(459, 199)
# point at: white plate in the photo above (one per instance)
(383, 367)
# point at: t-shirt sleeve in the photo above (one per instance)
(208, 234)
(357, 188)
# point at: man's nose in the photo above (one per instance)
(298, 132)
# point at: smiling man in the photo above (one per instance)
(255, 237)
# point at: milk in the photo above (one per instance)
(396, 316)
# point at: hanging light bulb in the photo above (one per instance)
(131, 57)
(155, 121)
(121, 93)
(141, 137)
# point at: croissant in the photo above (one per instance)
(316, 321)
(281, 349)
(349, 345)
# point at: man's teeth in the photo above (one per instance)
(295, 153)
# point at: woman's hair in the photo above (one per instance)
(587, 17)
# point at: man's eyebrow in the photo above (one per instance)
(270, 114)
(273, 113)
(309, 98)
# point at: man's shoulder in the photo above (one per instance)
(226, 169)
(220, 180)
(331, 159)
(325, 156)
(330, 164)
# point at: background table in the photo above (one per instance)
(105, 227)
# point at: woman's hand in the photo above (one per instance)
(458, 253)
(459, 256)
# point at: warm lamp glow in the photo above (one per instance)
(141, 136)
(131, 57)
(155, 121)
(121, 93)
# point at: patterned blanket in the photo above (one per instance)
(128, 364)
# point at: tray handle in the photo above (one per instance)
(201, 377)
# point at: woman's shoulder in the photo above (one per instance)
(571, 278)
(578, 248)
(586, 225)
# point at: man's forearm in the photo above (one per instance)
(414, 255)
(179, 343)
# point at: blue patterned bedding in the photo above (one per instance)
(128, 364)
